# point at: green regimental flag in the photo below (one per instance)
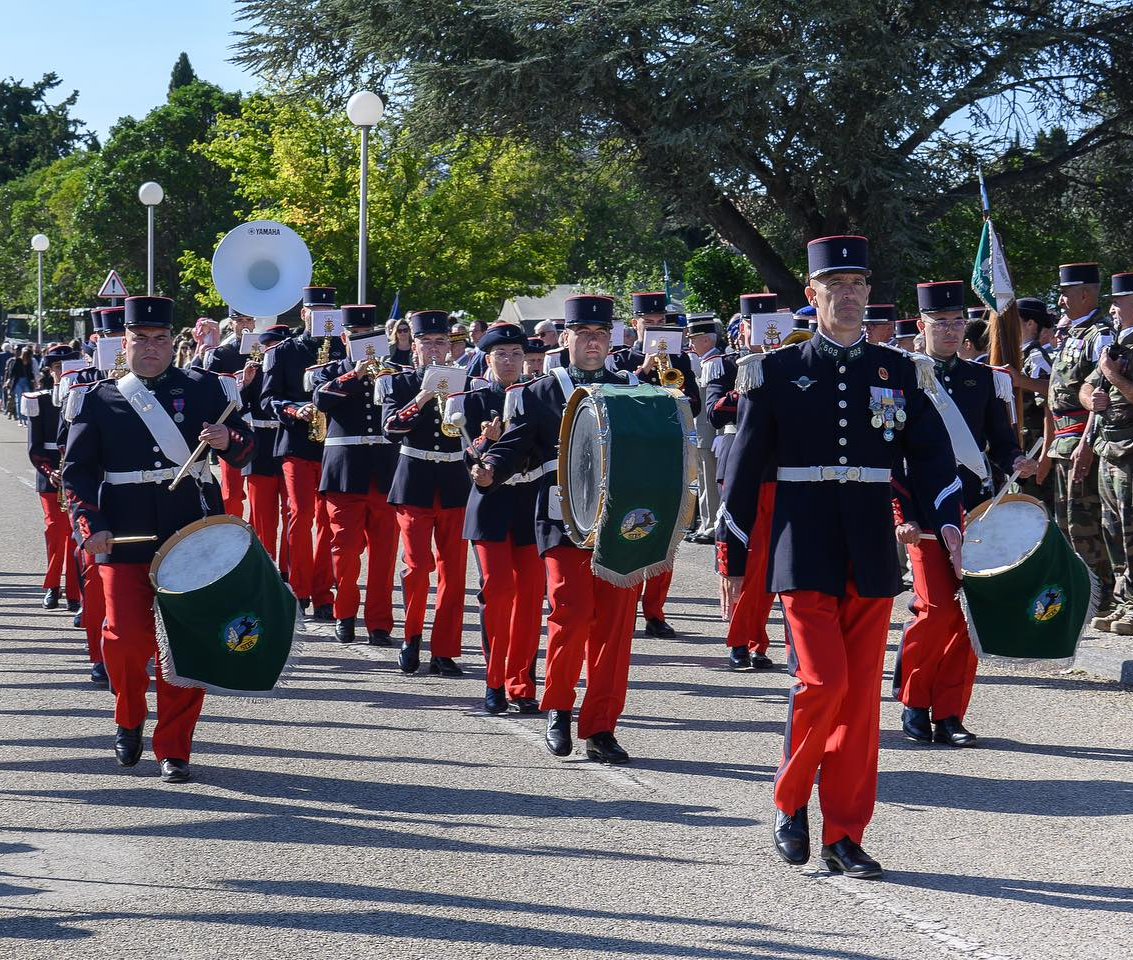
(235, 635)
(1036, 609)
(991, 279)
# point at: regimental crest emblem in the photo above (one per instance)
(242, 633)
(638, 524)
(1048, 604)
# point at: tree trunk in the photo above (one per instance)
(735, 227)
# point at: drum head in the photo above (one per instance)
(584, 469)
(200, 555)
(1011, 533)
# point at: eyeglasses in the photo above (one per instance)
(946, 324)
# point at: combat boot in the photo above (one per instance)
(1123, 625)
(1105, 621)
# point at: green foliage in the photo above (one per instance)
(182, 74)
(33, 133)
(715, 277)
(460, 224)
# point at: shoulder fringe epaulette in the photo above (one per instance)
(231, 390)
(75, 400)
(926, 369)
(611, 363)
(1005, 390)
(385, 386)
(749, 372)
(712, 370)
(513, 401)
(552, 359)
(453, 405)
(29, 405)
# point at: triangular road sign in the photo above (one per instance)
(112, 286)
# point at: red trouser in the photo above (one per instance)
(654, 595)
(589, 618)
(264, 497)
(837, 647)
(936, 665)
(130, 642)
(232, 489)
(419, 526)
(311, 575)
(358, 519)
(94, 606)
(60, 555)
(749, 618)
(512, 583)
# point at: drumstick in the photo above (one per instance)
(200, 449)
(459, 421)
(136, 538)
(1010, 480)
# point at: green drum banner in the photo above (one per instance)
(626, 469)
(1027, 594)
(226, 621)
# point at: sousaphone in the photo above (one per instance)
(260, 268)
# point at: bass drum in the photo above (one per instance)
(627, 469)
(226, 620)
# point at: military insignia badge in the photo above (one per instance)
(804, 382)
(638, 524)
(883, 373)
(1048, 604)
(243, 633)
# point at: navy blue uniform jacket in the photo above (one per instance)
(348, 401)
(283, 392)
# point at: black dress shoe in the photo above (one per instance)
(760, 661)
(792, 836)
(304, 603)
(915, 724)
(849, 858)
(174, 770)
(445, 666)
(380, 638)
(324, 611)
(73, 606)
(739, 658)
(77, 619)
(409, 659)
(128, 745)
(558, 733)
(605, 749)
(704, 538)
(344, 630)
(528, 706)
(98, 675)
(495, 700)
(659, 628)
(51, 599)
(951, 731)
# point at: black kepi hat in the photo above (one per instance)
(535, 345)
(591, 310)
(880, 313)
(975, 313)
(358, 315)
(940, 296)
(906, 328)
(699, 323)
(422, 322)
(754, 303)
(318, 296)
(146, 312)
(1076, 274)
(844, 254)
(113, 320)
(502, 333)
(1122, 285)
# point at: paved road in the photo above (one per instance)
(369, 814)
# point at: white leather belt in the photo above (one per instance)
(51, 446)
(116, 477)
(437, 456)
(353, 441)
(528, 477)
(841, 474)
(266, 424)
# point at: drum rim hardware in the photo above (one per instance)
(579, 397)
(973, 519)
(186, 531)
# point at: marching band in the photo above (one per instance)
(821, 443)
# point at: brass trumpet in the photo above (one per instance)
(374, 366)
(317, 428)
(667, 374)
(442, 392)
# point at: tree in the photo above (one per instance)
(757, 119)
(183, 73)
(200, 196)
(33, 133)
(464, 223)
(716, 277)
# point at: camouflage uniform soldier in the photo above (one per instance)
(1077, 504)
(1113, 443)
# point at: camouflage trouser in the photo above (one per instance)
(1078, 511)
(1116, 489)
(1043, 492)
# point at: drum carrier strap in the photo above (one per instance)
(157, 421)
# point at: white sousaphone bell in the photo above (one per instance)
(260, 268)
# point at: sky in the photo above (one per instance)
(117, 53)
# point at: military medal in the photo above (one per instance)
(178, 406)
(875, 421)
(900, 415)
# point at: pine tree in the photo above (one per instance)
(182, 73)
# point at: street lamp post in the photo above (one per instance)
(151, 195)
(39, 243)
(364, 110)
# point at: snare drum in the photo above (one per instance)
(226, 620)
(1027, 594)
